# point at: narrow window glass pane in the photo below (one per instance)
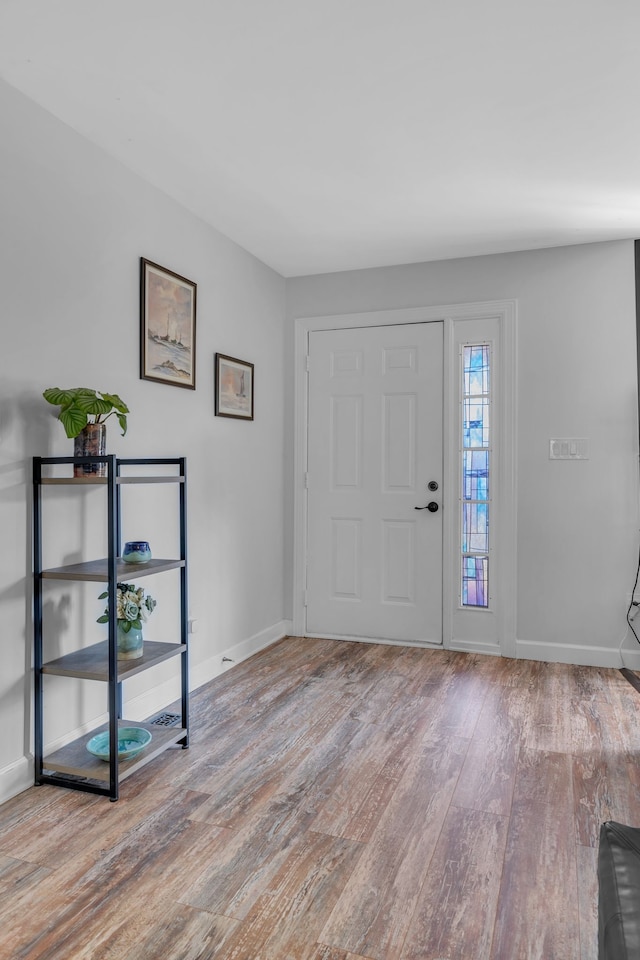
(475, 538)
(476, 422)
(476, 474)
(475, 575)
(476, 370)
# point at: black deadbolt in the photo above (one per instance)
(432, 485)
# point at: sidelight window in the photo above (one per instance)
(476, 463)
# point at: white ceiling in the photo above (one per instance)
(328, 135)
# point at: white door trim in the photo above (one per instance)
(505, 311)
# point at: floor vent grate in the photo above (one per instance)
(166, 720)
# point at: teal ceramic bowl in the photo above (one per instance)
(136, 551)
(131, 740)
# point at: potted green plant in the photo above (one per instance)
(133, 607)
(83, 414)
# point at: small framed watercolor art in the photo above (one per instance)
(167, 326)
(234, 387)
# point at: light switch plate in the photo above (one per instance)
(572, 448)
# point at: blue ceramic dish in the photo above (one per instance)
(131, 740)
(136, 551)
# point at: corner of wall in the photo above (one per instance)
(16, 778)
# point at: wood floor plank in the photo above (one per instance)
(286, 921)
(548, 721)
(537, 917)
(183, 933)
(460, 705)
(103, 891)
(426, 667)
(605, 788)
(49, 899)
(414, 720)
(594, 726)
(375, 909)
(488, 777)
(361, 763)
(75, 828)
(390, 690)
(626, 705)
(256, 848)
(320, 951)
(244, 863)
(456, 907)
(238, 789)
(587, 863)
(591, 683)
(544, 777)
(19, 874)
(503, 712)
(375, 802)
(33, 805)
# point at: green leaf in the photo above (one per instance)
(58, 397)
(92, 404)
(103, 619)
(122, 420)
(125, 625)
(116, 402)
(73, 420)
(103, 595)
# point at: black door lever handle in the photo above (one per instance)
(431, 507)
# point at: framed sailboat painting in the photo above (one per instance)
(167, 326)
(234, 388)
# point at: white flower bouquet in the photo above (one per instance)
(132, 606)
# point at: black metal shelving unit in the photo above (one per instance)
(72, 766)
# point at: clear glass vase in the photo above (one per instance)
(91, 442)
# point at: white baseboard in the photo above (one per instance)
(422, 644)
(579, 654)
(528, 650)
(475, 646)
(16, 777)
(457, 646)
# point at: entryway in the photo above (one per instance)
(379, 417)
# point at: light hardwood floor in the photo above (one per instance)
(341, 801)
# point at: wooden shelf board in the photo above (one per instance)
(97, 570)
(93, 481)
(75, 759)
(92, 663)
(141, 479)
(97, 481)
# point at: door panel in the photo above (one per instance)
(374, 562)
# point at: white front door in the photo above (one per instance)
(374, 550)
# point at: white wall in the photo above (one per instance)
(73, 224)
(577, 521)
